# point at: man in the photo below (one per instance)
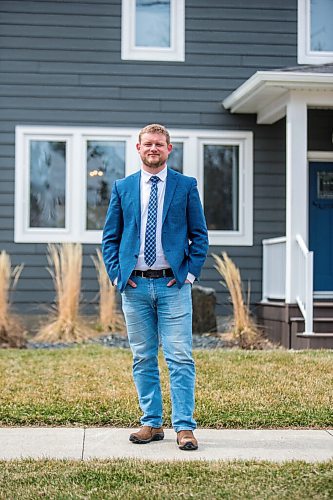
(154, 246)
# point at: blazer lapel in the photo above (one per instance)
(134, 196)
(171, 183)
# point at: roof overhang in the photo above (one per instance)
(266, 92)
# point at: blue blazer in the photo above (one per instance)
(184, 230)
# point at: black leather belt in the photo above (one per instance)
(154, 273)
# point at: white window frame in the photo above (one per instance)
(76, 137)
(76, 206)
(176, 51)
(304, 53)
(244, 140)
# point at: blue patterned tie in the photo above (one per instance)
(150, 237)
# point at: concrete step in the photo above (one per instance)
(320, 325)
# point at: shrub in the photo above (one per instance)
(110, 319)
(244, 331)
(11, 330)
(67, 325)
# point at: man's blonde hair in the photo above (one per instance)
(155, 128)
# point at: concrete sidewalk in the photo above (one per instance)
(108, 443)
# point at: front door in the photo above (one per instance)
(321, 224)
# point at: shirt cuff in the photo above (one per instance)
(190, 277)
(115, 282)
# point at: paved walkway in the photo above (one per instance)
(107, 443)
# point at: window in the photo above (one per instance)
(105, 163)
(221, 181)
(176, 158)
(226, 172)
(64, 178)
(47, 174)
(153, 30)
(315, 35)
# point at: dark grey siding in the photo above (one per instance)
(60, 65)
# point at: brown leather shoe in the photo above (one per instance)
(147, 434)
(186, 441)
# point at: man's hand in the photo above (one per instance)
(131, 283)
(173, 281)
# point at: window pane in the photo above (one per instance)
(321, 25)
(47, 183)
(105, 164)
(221, 187)
(152, 23)
(175, 159)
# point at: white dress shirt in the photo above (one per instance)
(145, 188)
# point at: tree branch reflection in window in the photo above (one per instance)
(47, 183)
(321, 15)
(152, 23)
(221, 171)
(175, 160)
(105, 164)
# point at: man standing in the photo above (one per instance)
(154, 245)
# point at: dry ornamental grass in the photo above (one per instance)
(109, 318)
(243, 328)
(11, 330)
(67, 325)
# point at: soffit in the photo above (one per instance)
(265, 88)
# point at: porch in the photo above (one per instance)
(306, 324)
(297, 289)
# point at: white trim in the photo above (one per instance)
(22, 232)
(273, 111)
(176, 51)
(304, 53)
(244, 234)
(296, 188)
(267, 93)
(323, 295)
(76, 138)
(320, 156)
(194, 168)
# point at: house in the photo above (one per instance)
(246, 89)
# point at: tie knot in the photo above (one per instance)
(154, 179)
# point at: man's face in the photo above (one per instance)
(154, 150)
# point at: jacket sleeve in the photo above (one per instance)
(197, 232)
(112, 234)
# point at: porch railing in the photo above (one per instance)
(304, 294)
(274, 275)
(274, 269)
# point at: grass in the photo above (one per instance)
(132, 479)
(92, 385)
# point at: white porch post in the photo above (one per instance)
(297, 186)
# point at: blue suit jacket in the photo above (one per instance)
(184, 230)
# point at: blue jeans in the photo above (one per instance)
(153, 313)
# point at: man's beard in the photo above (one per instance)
(153, 164)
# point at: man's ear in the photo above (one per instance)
(138, 146)
(170, 147)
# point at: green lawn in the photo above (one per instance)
(92, 385)
(129, 479)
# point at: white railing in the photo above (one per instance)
(304, 280)
(274, 269)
